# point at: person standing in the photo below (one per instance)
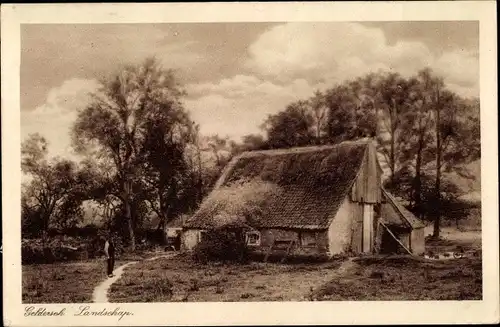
(109, 252)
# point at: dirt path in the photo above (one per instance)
(343, 270)
(100, 294)
(345, 267)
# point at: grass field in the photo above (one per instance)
(370, 278)
(71, 282)
(181, 279)
(406, 278)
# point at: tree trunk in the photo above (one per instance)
(437, 208)
(392, 155)
(162, 228)
(167, 218)
(45, 221)
(418, 180)
(392, 163)
(437, 188)
(45, 227)
(164, 220)
(318, 130)
(128, 218)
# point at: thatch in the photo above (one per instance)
(313, 182)
(176, 222)
(234, 205)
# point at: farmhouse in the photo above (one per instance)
(329, 200)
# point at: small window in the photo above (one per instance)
(308, 239)
(253, 238)
(201, 235)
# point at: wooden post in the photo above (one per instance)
(367, 227)
(269, 251)
(287, 251)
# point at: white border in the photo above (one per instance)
(485, 311)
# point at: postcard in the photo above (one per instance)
(250, 163)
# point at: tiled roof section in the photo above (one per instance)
(406, 217)
(314, 182)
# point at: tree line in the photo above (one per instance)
(422, 130)
(141, 152)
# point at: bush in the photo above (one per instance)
(223, 244)
(61, 248)
(37, 251)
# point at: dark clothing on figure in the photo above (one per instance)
(109, 250)
(177, 243)
(111, 265)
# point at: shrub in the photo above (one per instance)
(160, 286)
(223, 244)
(194, 286)
(246, 295)
(377, 274)
(61, 248)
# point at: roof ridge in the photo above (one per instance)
(226, 171)
(304, 149)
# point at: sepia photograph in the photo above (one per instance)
(249, 161)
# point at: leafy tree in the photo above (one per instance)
(115, 125)
(418, 125)
(31, 220)
(395, 98)
(351, 114)
(291, 127)
(457, 141)
(220, 148)
(52, 197)
(320, 114)
(166, 170)
(249, 142)
(443, 135)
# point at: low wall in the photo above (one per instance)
(306, 241)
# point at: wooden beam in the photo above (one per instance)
(397, 240)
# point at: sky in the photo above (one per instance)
(235, 74)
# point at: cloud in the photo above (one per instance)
(333, 52)
(461, 71)
(283, 64)
(54, 118)
(289, 62)
(238, 106)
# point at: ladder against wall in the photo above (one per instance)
(385, 227)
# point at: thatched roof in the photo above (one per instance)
(394, 213)
(176, 222)
(239, 204)
(313, 181)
